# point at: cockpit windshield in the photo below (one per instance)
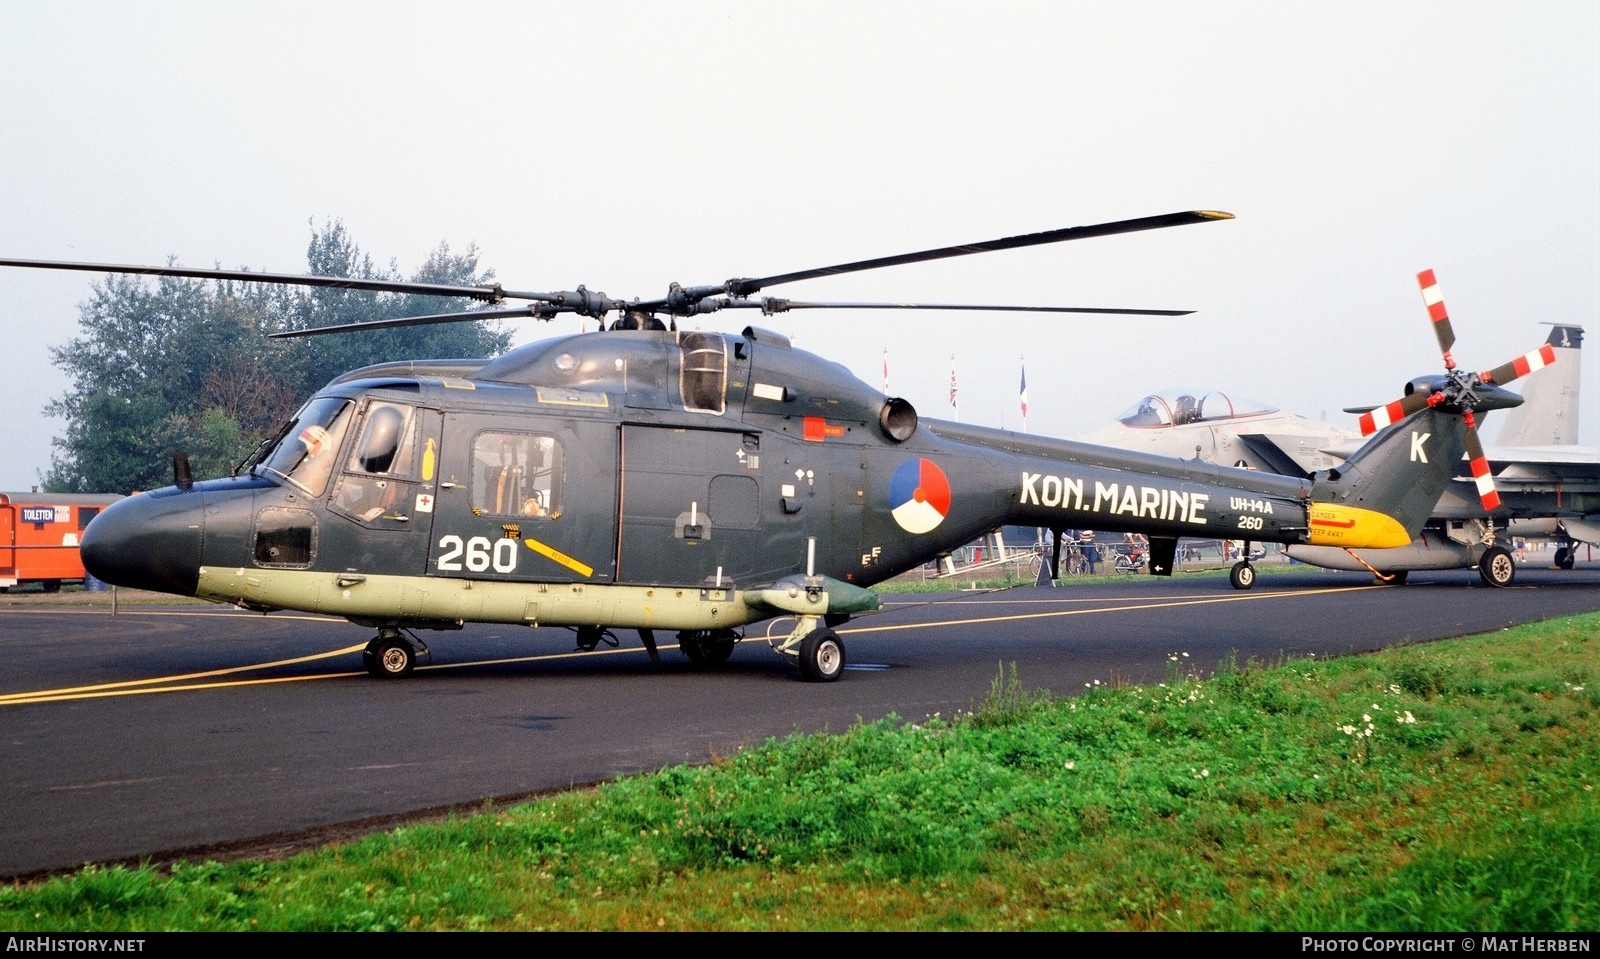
(306, 453)
(1182, 406)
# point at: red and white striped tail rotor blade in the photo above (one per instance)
(1481, 477)
(1374, 420)
(1436, 312)
(1521, 366)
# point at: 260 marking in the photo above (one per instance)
(477, 554)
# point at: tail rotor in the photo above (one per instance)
(1458, 391)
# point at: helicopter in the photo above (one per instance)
(649, 478)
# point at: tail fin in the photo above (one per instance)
(1382, 497)
(1550, 415)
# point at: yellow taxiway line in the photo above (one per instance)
(191, 682)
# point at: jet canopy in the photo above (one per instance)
(1181, 406)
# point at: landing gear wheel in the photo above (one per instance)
(389, 658)
(1496, 567)
(1242, 576)
(1564, 558)
(821, 656)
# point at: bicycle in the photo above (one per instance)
(1073, 562)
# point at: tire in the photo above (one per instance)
(1565, 557)
(821, 656)
(1242, 576)
(389, 658)
(51, 585)
(1497, 567)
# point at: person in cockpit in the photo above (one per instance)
(1187, 412)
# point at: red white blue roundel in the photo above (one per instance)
(919, 495)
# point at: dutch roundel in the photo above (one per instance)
(919, 495)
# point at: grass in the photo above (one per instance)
(1447, 786)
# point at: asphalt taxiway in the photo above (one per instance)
(195, 731)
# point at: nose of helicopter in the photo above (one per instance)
(148, 541)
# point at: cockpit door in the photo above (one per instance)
(382, 493)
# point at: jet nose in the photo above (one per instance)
(148, 541)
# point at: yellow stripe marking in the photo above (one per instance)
(185, 683)
(550, 552)
(1131, 606)
(129, 687)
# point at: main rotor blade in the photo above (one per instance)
(745, 287)
(432, 318)
(492, 294)
(777, 305)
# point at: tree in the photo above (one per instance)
(186, 365)
(333, 253)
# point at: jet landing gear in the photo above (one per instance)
(818, 649)
(1496, 567)
(391, 654)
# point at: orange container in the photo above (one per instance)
(39, 535)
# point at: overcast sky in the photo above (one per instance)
(628, 145)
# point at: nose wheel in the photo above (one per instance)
(1243, 575)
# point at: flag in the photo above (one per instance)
(952, 381)
(886, 372)
(1024, 397)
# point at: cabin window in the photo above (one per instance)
(703, 372)
(309, 448)
(516, 474)
(285, 537)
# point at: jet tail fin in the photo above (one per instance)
(1549, 415)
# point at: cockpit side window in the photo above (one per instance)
(388, 442)
(516, 474)
(381, 460)
(306, 454)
